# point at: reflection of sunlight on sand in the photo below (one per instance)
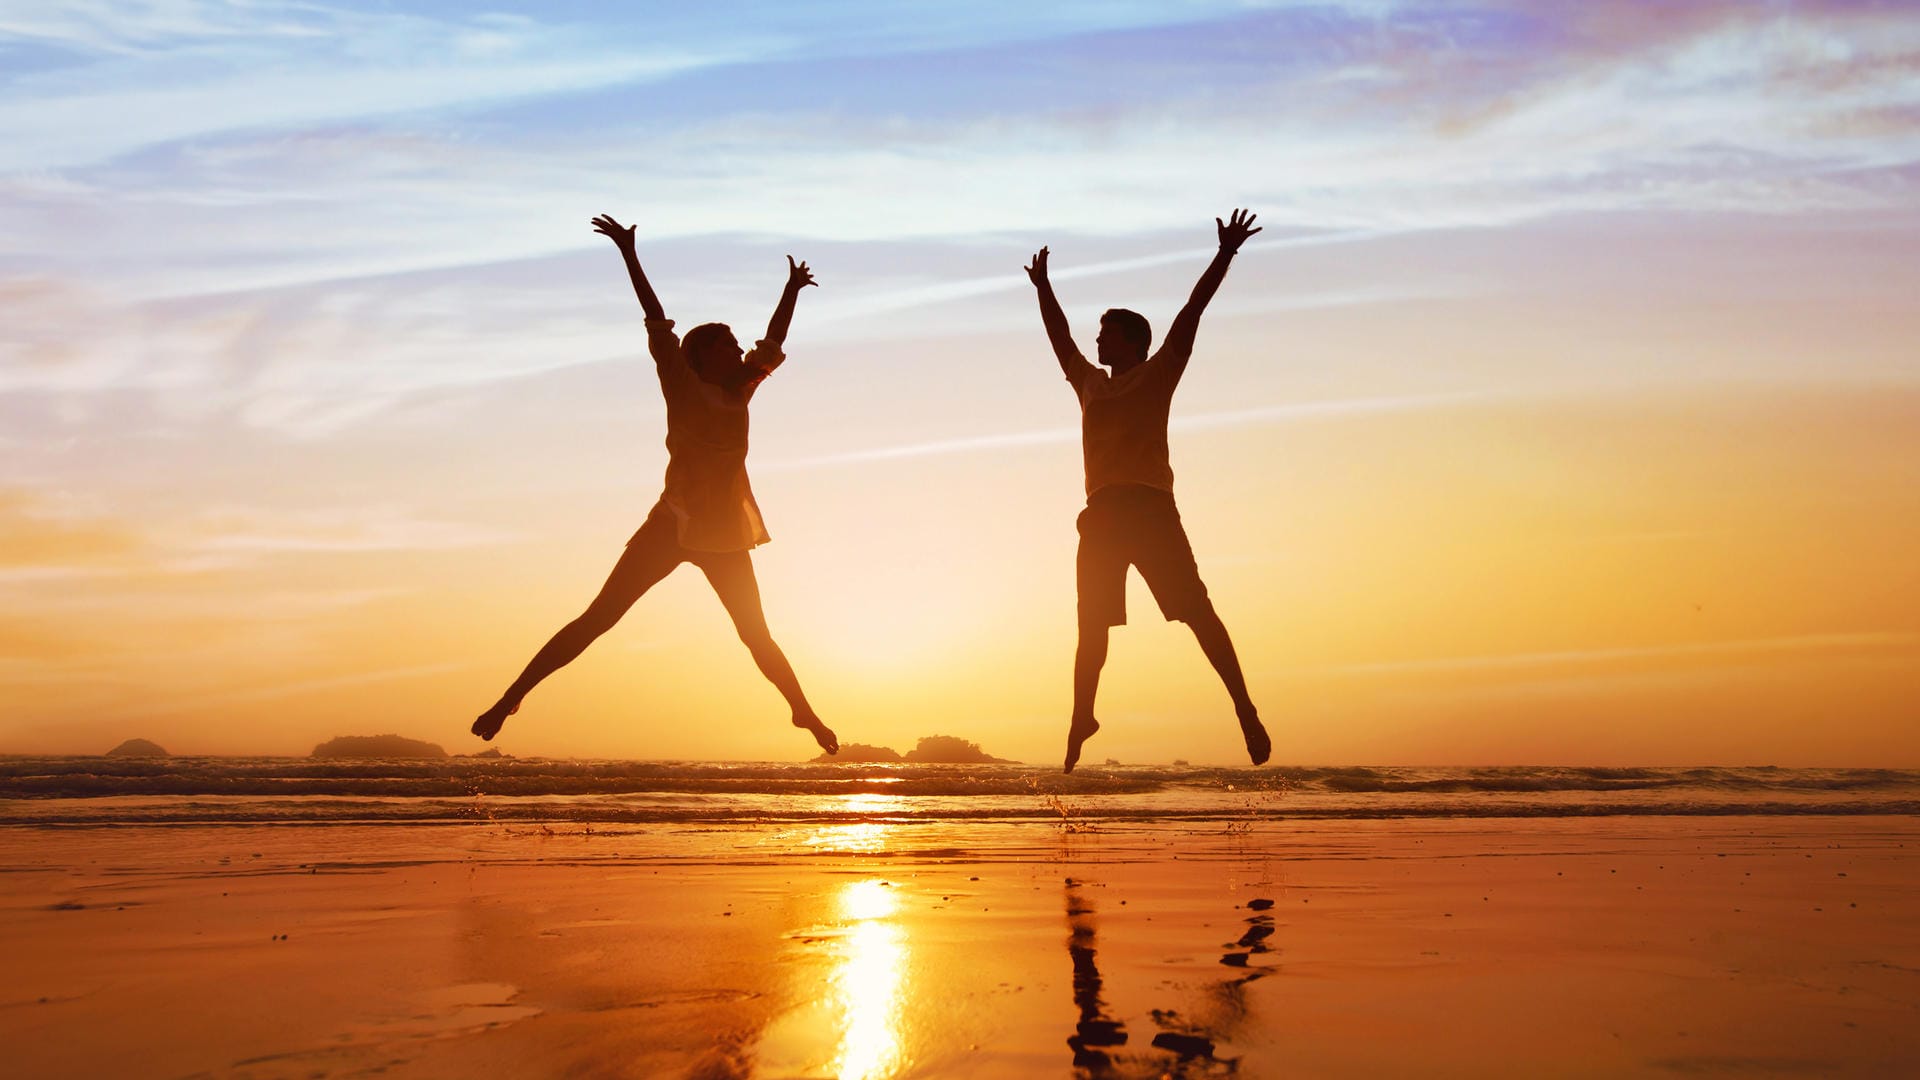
(863, 837)
(868, 803)
(868, 983)
(851, 1030)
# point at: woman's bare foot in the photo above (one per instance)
(488, 725)
(1259, 746)
(822, 734)
(1082, 730)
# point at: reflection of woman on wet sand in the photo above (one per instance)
(706, 515)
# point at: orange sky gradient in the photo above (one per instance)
(1628, 478)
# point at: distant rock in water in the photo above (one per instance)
(854, 753)
(933, 750)
(949, 750)
(489, 752)
(138, 748)
(377, 746)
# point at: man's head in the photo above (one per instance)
(712, 352)
(1124, 338)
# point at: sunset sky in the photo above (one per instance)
(1566, 411)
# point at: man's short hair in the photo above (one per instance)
(1132, 325)
(699, 340)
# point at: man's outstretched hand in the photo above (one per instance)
(798, 276)
(613, 230)
(1037, 271)
(1234, 231)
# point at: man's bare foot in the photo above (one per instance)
(1259, 746)
(822, 734)
(1082, 730)
(488, 725)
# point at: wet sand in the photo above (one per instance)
(1566, 947)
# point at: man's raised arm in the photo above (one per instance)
(1054, 319)
(622, 237)
(1233, 233)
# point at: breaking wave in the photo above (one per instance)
(59, 791)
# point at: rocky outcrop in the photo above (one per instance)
(854, 753)
(377, 746)
(949, 750)
(138, 748)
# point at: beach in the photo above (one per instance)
(1270, 946)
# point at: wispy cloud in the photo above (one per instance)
(1771, 646)
(1208, 421)
(893, 300)
(134, 26)
(40, 537)
(280, 691)
(312, 361)
(48, 539)
(196, 70)
(354, 143)
(221, 534)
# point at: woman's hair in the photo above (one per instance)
(701, 338)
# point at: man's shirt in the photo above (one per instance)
(1123, 419)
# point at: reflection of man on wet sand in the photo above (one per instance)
(707, 515)
(1191, 1036)
(1130, 519)
(1095, 1030)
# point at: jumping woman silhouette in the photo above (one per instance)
(706, 516)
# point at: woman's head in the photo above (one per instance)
(712, 352)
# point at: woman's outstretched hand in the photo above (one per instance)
(613, 230)
(798, 276)
(1234, 232)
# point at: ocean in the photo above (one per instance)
(87, 791)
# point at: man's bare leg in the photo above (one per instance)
(732, 578)
(1212, 635)
(641, 566)
(1088, 658)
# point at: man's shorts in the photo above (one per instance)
(1134, 525)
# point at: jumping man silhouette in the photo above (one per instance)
(1131, 519)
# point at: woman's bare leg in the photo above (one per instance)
(641, 566)
(731, 575)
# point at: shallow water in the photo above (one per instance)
(96, 790)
